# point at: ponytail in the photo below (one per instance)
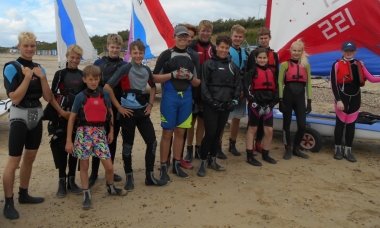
(303, 58)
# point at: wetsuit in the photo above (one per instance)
(349, 93)
(66, 84)
(273, 63)
(220, 86)
(292, 94)
(108, 67)
(19, 134)
(133, 79)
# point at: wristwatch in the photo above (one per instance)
(150, 104)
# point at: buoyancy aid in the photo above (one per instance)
(345, 75)
(271, 61)
(295, 73)
(236, 58)
(204, 53)
(94, 111)
(264, 80)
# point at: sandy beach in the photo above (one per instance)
(317, 192)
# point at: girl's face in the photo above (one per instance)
(27, 49)
(296, 52)
(262, 59)
(349, 54)
(73, 60)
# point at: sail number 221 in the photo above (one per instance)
(329, 30)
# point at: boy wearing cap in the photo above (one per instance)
(347, 76)
(178, 69)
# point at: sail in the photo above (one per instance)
(130, 40)
(324, 25)
(151, 25)
(70, 30)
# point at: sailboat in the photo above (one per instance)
(150, 24)
(324, 26)
(70, 30)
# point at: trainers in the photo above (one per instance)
(297, 152)
(189, 154)
(112, 190)
(338, 152)
(86, 199)
(177, 170)
(151, 181)
(10, 211)
(185, 164)
(130, 183)
(117, 178)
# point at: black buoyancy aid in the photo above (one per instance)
(295, 73)
(181, 61)
(264, 80)
(345, 75)
(34, 91)
(108, 68)
(222, 75)
(204, 53)
(94, 111)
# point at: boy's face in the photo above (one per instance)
(114, 50)
(181, 40)
(237, 39)
(264, 40)
(204, 34)
(137, 55)
(91, 81)
(73, 60)
(349, 54)
(27, 49)
(222, 50)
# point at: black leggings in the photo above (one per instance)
(112, 146)
(214, 125)
(351, 105)
(145, 127)
(296, 103)
(260, 131)
(57, 145)
(20, 136)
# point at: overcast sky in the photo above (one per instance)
(100, 17)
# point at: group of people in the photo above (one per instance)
(202, 83)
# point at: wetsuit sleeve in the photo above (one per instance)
(150, 80)
(308, 83)
(238, 82)
(334, 82)
(107, 98)
(206, 96)
(10, 78)
(281, 78)
(247, 85)
(162, 59)
(55, 83)
(251, 60)
(369, 76)
(77, 102)
(116, 77)
(98, 62)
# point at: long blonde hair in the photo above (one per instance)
(303, 58)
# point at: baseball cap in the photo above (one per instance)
(348, 45)
(180, 30)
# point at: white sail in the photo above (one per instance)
(70, 30)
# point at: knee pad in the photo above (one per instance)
(127, 150)
(151, 147)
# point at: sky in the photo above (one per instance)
(102, 17)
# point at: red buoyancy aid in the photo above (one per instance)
(271, 62)
(264, 80)
(344, 74)
(94, 110)
(295, 73)
(204, 53)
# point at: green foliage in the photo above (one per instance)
(220, 26)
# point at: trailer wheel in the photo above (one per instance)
(312, 140)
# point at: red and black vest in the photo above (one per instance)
(295, 73)
(263, 80)
(204, 53)
(271, 61)
(94, 111)
(344, 74)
